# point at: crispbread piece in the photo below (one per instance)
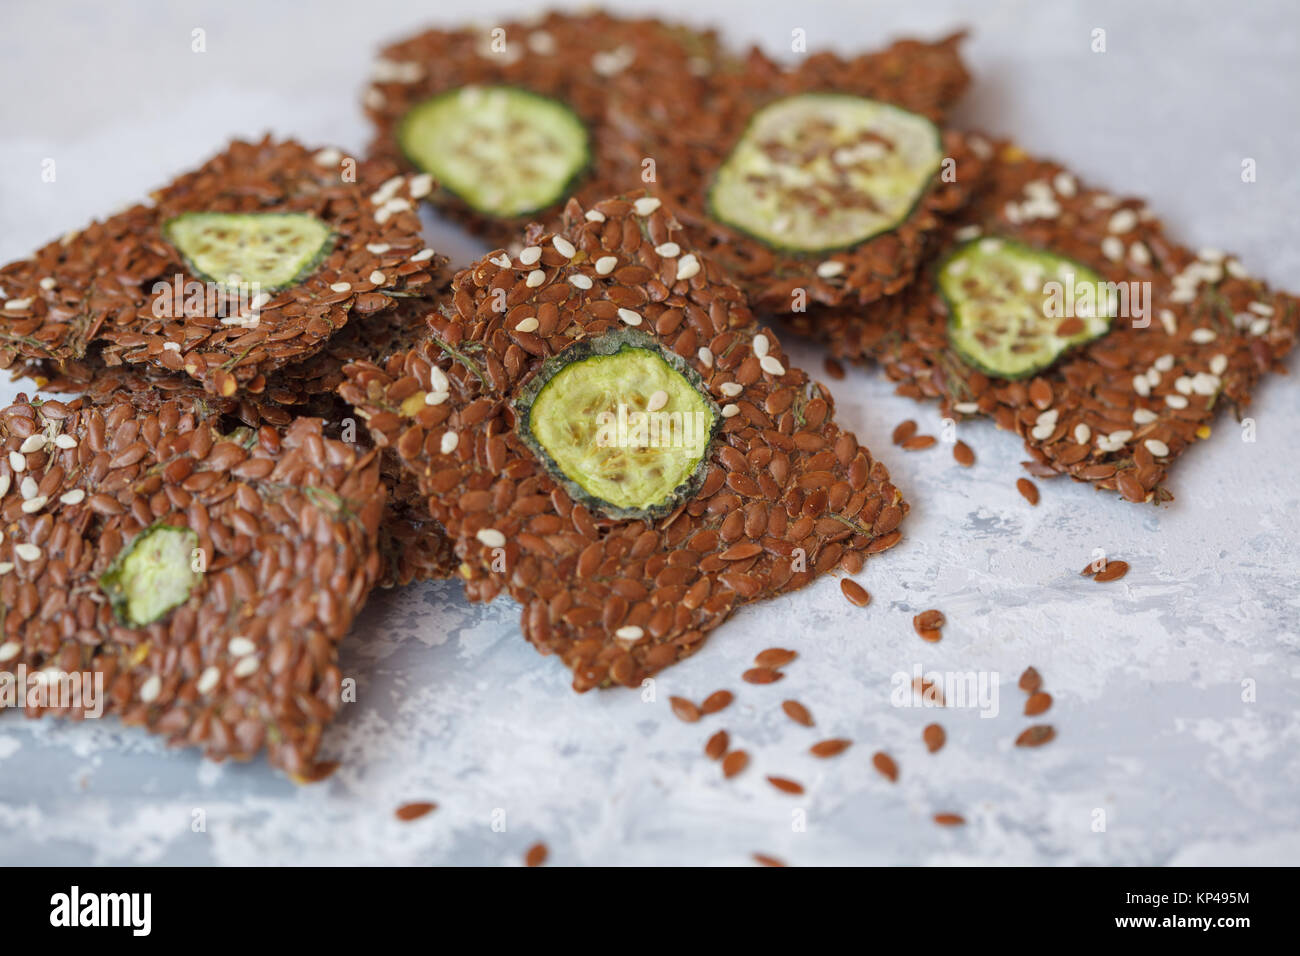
(226, 639)
(1127, 404)
(114, 284)
(785, 493)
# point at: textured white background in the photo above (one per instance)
(457, 708)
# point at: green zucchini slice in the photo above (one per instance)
(152, 575)
(268, 250)
(504, 151)
(824, 171)
(1013, 309)
(623, 425)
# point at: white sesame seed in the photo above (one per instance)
(1104, 201)
(564, 247)
(646, 205)
(580, 280)
(377, 277)
(1242, 320)
(1183, 385)
(436, 398)
(1203, 383)
(208, 680)
(14, 305)
(74, 497)
(729, 411)
(33, 443)
(1156, 447)
(328, 156)
(668, 250)
(966, 408)
(760, 345)
(150, 689)
(10, 649)
(830, 269)
(421, 186)
(657, 401)
(1260, 308)
(966, 233)
(1236, 269)
(17, 462)
(1182, 294)
(527, 325)
(1112, 247)
(247, 666)
(990, 246)
(449, 442)
(1082, 432)
(502, 260)
(594, 215)
(1043, 432)
(170, 347)
(1164, 363)
(47, 283)
(1169, 321)
(1203, 336)
(1141, 386)
(4, 489)
(397, 205)
(491, 537)
(1260, 326)
(1144, 416)
(731, 389)
(28, 552)
(6, 567)
(688, 266)
(438, 380)
(530, 254)
(630, 317)
(378, 248)
(1119, 437)
(29, 488)
(1065, 185)
(705, 355)
(240, 647)
(1122, 221)
(1210, 255)
(1219, 364)
(1048, 417)
(980, 146)
(628, 632)
(771, 365)
(1175, 401)
(535, 278)
(1139, 254)
(423, 255)
(341, 287)
(606, 264)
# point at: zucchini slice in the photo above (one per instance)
(152, 575)
(503, 150)
(623, 425)
(269, 250)
(824, 171)
(1013, 309)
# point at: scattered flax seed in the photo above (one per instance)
(762, 859)
(963, 454)
(734, 762)
(949, 819)
(1036, 736)
(1030, 680)
(717, 745)
(1038, 702)
(536, 855)
(718, 700)
(928, 624)
(761, 675)
(786, 785)
(797, 712)
(934, 737)
(855, 592)
(919, 443)
(830, 748)
(775, 657)
(1028, 489)
(413, 811)
(1113, 571)
(903, 431)
(885, 765)
(684, 709)
(833, 369)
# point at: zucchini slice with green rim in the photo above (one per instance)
(1013, 309)
(818, 172)
(269, 250)
(625, 426)
(152, 575)
(503, 150)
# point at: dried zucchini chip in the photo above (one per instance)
(624, 425)
(152, 575)
(269, 250)
(1013, 310)
(505, 151)
(824, 171)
